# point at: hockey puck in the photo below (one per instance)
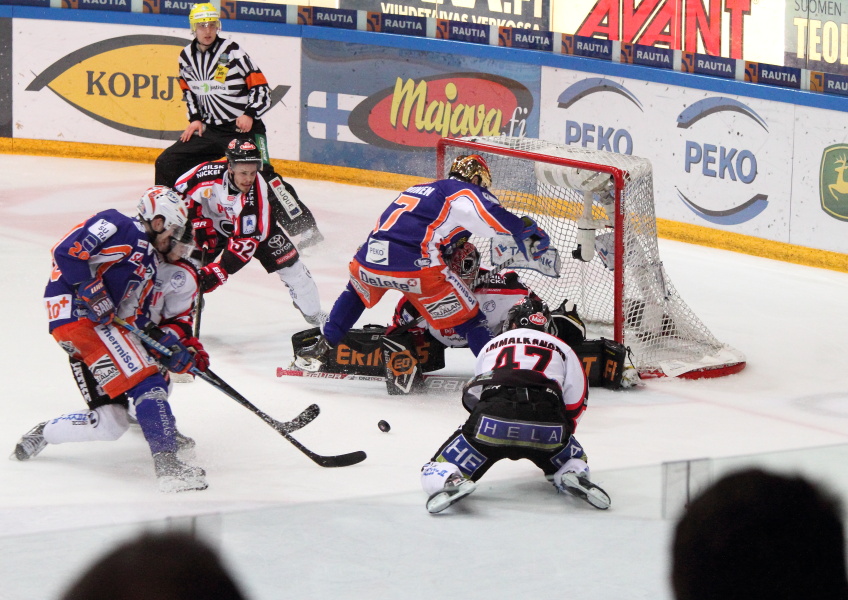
(384, 426)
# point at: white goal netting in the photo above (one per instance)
(623, 291)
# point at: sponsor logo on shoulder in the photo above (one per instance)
(103, 229)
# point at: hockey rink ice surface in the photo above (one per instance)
(291, 529)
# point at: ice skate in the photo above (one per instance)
(31, 444)
(175, 475)
(185, 446)
(310, 237)
(580, 486)
(318, 319)
(312, 358)
(456, 488)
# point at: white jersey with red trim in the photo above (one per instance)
(538, 351)
(210, 194)
(411, 232)
(173, 298)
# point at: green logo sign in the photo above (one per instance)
(833, 181)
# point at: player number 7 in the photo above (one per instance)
(407, 203)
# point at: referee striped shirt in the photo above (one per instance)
(221, 84)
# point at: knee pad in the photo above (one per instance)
(105, 424)
(302, 288)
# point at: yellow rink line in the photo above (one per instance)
(672, 230)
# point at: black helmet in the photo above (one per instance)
(243, 150)
(529, 313)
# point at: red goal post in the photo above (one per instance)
(600, 205)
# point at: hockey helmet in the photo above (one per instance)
(161, 201)
(203, 13)
(244, 150)
(529, 313)
(465, 262)
(465, 167)
(182, 245)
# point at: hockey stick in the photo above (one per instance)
(198, 306)
(342, 460)
(431, 382)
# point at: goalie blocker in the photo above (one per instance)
(403, 359)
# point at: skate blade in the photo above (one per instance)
(172, 485)
(307, 364)
(590, 493)
(439, 501)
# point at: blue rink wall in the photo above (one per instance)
(750, 167)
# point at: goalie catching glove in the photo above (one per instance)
(539, 240)
(93, 298)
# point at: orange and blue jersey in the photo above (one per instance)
(411, 232)
(109, 245)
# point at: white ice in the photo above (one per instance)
(291, 529)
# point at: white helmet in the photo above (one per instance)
(161, 201)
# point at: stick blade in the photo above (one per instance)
(341, 460)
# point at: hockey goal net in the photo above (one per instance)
(604, 202)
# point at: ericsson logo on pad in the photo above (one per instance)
(714, 127)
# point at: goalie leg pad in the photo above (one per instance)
(403, 372)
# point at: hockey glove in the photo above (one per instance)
(205, 235)
(201, 356)
(211, 276)
(540, 241)
(180, 360)
(93, 298)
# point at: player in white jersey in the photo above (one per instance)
(107, 267)
(231, 217)
(226, 95)
(526, 400)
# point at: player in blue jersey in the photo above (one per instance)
(103, 268)
(404, 252)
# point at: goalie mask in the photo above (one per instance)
(530, 313)
(162, 201)
(466, 167)
(465, 262)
